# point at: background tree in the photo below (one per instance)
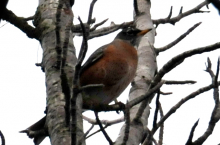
(188, 22)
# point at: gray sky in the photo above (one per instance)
(23, 97)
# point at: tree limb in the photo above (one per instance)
(102, 129)
(181, 15)
(175, 61)
(158, 50)
(2, 138)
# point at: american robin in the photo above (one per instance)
(113, 65)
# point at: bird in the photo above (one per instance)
(3, 4)
(112, 65)
(106, 73)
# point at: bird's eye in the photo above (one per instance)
(130, 32)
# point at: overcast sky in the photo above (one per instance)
(23, 97)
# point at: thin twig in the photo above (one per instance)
(161, 132)
(158, 50)
(157, 22)
(91, 11)
(156, 110)
(170, 82)
(189, 141)
(88, 131)
(180, 58)
(96, 132)
(145, 96)
(97, 25)
(215, 113)
(107, 30)
(181, 15)
(180, 103)
(175, 107)
(167, 93)
(102, 129)
(2, 138)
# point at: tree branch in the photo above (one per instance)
(170, 82)
(174, 108)
(160, 142)
(2, 138)
(156, 110)
(91, 11)
(107, 30)
(181, 15)
(189, 141)
(215, 113)
(175, 61)
(158, 50)
(102, 129)
(105, 122)
(22, 24)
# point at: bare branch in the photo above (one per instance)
(21, 24)
(209, 69)
(146, 96)
(156, 110)
(180, 58)
(158, 50)
(102, 129)
(2, 138)
(157, 22)
(105, 122)
(169, 82)
(97, 25)
(77, 28)
(215, 113)
(181, 15)
(88, 131)
(96, 131)
(165, 93)
(107, 30)
(91, 11)
(160, 142)
(181, 10)
(180, 103)
(189, 141)
(174, 108)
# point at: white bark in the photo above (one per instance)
(147, 67)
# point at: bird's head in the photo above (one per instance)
(130, 34)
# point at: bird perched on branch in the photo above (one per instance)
(106, 73)
(112, 65)
(3, 4)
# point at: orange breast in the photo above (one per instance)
(115, 70)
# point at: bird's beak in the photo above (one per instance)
(143, 32)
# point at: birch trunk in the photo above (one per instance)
(54, 19)
(147, 67)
